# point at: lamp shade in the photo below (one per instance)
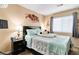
(19, 28)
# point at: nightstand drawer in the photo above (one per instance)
(17, 51)
(19, 47)
(19, 43)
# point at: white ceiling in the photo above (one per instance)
(3, 5)
(46, 9)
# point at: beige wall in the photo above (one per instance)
(59, 14)
(15, 15)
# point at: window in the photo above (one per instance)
(63, 24)
(3, 24)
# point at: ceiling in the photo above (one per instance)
(46, 9)
(3, 5)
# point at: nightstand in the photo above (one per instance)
(18, 46)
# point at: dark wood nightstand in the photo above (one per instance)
(18, 46)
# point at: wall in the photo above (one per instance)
(15, 15)
(59, 14)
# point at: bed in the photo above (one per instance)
(50, 44)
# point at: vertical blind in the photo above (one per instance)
(63, 24)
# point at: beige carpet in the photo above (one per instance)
(75, 51)
(27, 52)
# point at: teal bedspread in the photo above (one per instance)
(58, 45)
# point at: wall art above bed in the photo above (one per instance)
(32, 17)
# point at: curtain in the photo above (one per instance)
(75, 30)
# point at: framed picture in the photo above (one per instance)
(3, 24)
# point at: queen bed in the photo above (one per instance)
(46, 44)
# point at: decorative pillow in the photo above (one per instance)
(35, 31)
(31, 32)
(38, 30)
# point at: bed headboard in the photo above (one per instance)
(28, 27)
